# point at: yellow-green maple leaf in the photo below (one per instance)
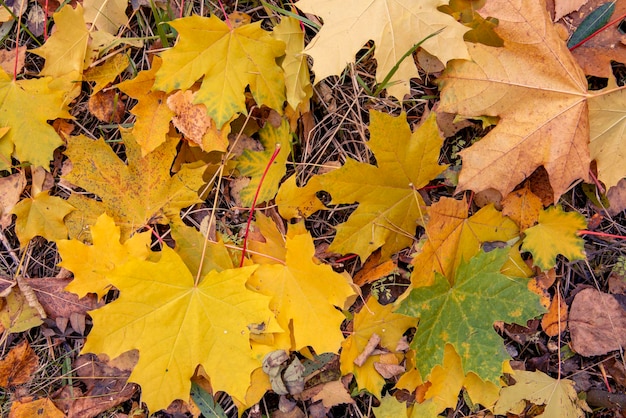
(25, 107)
(91, 263)
(106, 15)
(136, 194)
(390, 407)
(253, 163)
(452, 236)
(389, 206)
(152, 114)
(394, 26)
(557, 395)
(229, 59)
(304, 294)
(555, 233)
(373, 318)
(41, 215)
(177, 324)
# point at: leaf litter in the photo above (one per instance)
(132, 213)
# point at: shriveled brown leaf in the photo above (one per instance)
(597, 323)
(107, 106)
(11, 188)
(7, 60)
(18, 366)
(56, 301)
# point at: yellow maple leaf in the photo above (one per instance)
(152, 114)
(304, 295)
(136, 194)
(25, 107)
(65, 51)
(389, 206)
(91, 263)
(41, 215)
(536, 88)
(177, 324)
(523, 206)
(394, 26)
(191, 245)
(607, 114)
(452, 236)
(107, 72)
(299, 202)
(557, 395)
(556, 233)
(373, 318)
(106, 15)
(229, 59)
(297, 80)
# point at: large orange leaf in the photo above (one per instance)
(229, 59)
(389, 206)
(177, 324)
(139, 193)
(394, 26)
(536, 88)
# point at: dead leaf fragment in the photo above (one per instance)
(11, 188)
(597, 323)
(554, 321)
(18, 365)
(7, 60)
(565, 7)
(107, 106)
(38, 408)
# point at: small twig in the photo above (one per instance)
(256, 196)
(600, 234)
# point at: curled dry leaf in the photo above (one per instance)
(597, 323)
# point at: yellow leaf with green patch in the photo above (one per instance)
(139, 193)
(299, 202)
(178, 324)
(555, 233)
(41, 215)
(228, 60)
(390, 209)
(390, 407)
(463, 315)
(91, 263)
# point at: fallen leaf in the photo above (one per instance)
(254, 163)
(446, 380)
(36, 20)
(107, 106)
(191, 246)
(91, 263)
(18, 366)
(565, 7)
(299, 202)
(463, 315)
(164, 295)
(41, 215)
(556, 233)
(229, 59)
(16, 314)
(7, 59)
(11, 188)
(194, 123)
(135, 194)
(25, 107)
(558, 396)
(523, 207)
(304, 294)
(106, 73)
(56, 302)
(597, 323)
(390, 208)
(452, 237)
(106, 15)
(333, 393)
(153, 116)
(536, 88)
(372, 319)
(617, 197)
(390, 407)
(43, 408)
(554, 322)
(394, 26)
(608, 133)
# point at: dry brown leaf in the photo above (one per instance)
(565, 7)
(7, 60)
(333, 393)
(18, 366)
(523, 207)
(107, 106)
(597, 323)
(58, 303)
(617, 197)
(11, 188)
(38, 408)
(536, 88)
